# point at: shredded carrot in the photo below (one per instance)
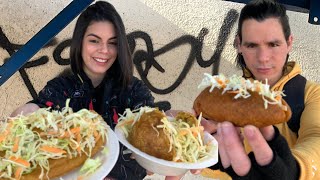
(6, 131)
(278, 98)
(48, 133)
(126, 122)
(201, 128)
(183, 132)
(196, 130)
(18, 173)
(2, 138)
(19, 161)
(16, 144)
(78, 141)
(258, 89)
(73, 131)
(52, 149)
(96, 135)
(221, 83)
(233, 92)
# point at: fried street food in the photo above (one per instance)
(178, 139)
(48, 144)
(146, 137)
(59, 167)
(241, 102)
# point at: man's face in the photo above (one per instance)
(264, 48)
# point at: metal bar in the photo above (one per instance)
(58, 23)
(314, 15)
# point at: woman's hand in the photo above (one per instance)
(25, 109)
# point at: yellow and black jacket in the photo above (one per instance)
(301, 136)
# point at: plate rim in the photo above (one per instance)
(106, 166)
(182, 165)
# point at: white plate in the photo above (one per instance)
(170, 168)
(108, 161)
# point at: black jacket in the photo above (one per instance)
(108, 100)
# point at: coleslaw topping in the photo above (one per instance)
(29, 141)
(186, 139)
(241, 87)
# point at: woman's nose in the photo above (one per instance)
(104, 48)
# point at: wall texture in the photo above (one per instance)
(173, 42)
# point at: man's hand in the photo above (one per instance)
(193, 171)
(231, 149)
(209, 125)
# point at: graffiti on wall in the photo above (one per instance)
(141, 57)
(12, 48)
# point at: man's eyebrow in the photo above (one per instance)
(248, 43)
(275, 42)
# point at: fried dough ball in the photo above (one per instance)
(148, 138)
(187, 117)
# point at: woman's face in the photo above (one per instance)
(99, 49)
(264, 48)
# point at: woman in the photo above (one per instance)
(102, 77)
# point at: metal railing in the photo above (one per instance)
(57, 24)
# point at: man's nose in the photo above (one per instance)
(263, 54)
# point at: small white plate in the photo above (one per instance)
(108, 160)
(170, 168)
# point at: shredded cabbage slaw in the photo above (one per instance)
(30, 141)
(185, 139)
(241, 86)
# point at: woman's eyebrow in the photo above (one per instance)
(94, 35)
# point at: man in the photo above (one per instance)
(284, 151)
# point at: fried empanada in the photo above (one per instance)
(252, 106)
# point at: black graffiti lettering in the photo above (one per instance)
(224, 33)
(58, 51)
(12, 48)
(147, 57)
(143, 60)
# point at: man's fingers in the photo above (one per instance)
(267, 132)
(262, 152)
(196, 171)
(149, 173)
(234, 150)
(174, 177)
(209, 125)
(225, 161)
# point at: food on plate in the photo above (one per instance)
(47, 143)
(240, 101)
(178, 139)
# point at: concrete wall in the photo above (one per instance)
(185, 38)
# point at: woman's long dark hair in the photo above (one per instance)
(122, 68)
